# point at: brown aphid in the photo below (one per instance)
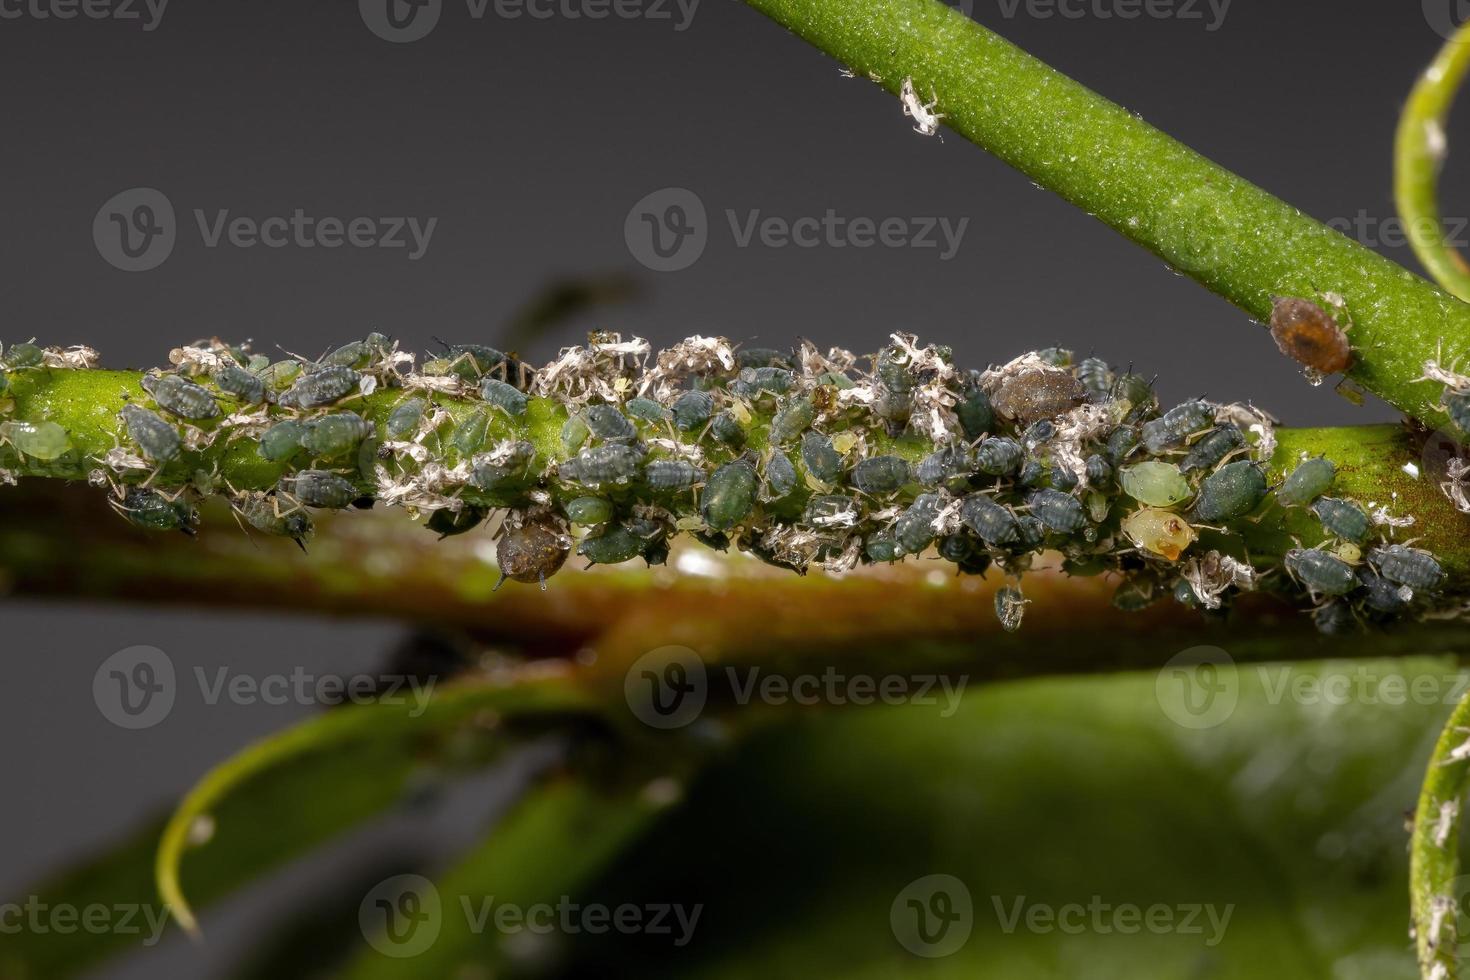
(1309, 335)
(531, 548)
(1039, 393)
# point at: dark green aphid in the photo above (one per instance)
(914, 529)
(24, 355)
(834, 379)
(404, 420)
(793, 418)
(607, 423)
(1457, 404)
(714, 540)
(822, 461)
(1010, 607)
(158, 440)
(1176, 425)
(532, 550)
(1214, 446)
(883, 546)
(647, 410)
(358, 353)
(281, 441)
(1099, 470)
(1122, 441)
(1311, 479)
(470, 434)
(506, 397)
(334, 436)
(999, 456)
(319, 488)
(762, 357)
(1038, 432)
(729, 495)
(4, 384)
(1407, 566)
(692, 410)
(1232, 491)
(1334, 618)
(590, 511)
(1342, 518)
(990, 520)
(827, 510)
(491, 472)
(614, 463)
(976, 414)
(780, 477)
(1184, 594)
(180, 396)
(471, 362)
(1033, 473)
(1321, 572)
(1096, 377)
(752, 383)
(880, 474)
(1060, 512)
(447, 523)
(613, 546)
(324, 386)
(1136, 392)
(727, 430)
(1030, 533)
(671, 474)
(574, 433)
(1381, 595)
(956, 548)
(1063, 479)
(895, 386)
(154, 511)
(953, 462)
(1057, 356)
(1135, 595)
(234, 380)
(281, 374)
(269, 513)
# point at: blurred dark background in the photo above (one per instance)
(529, 141)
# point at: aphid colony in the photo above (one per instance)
(797, 457)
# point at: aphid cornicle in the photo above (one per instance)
(671, 474)
(590, 511)
(448, 523)
(952, 463)
(1407, 566)
(156, 438)
(532, 549)
(405, 418)
(780, 477)
(1010, 607)
(281, 441)
(1311, 479)
(821, 459)
(323, 386)
(1060, 512)
(1176, 425)
(692, 410)
(271, 514)
(180, 396)
(1232, 491)
(45, 441)
(914, 529)
(1212, 447)
(234, 380)
(990, 520)
(334, 436)
(729, 495)
(999, 455)
(880, 474)
(319, 488)
(1038, 393)
(1310, 336)
(607, 423)
(155, 511)
(647, 410)
(1320, 572)
(727, 430)
(794, 417)
(506, 397)
(610, 464)
(1343, 519)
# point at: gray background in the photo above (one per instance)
(530, 141)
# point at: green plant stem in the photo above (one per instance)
(1434, 854)
(1419, 153)
(1210, 224)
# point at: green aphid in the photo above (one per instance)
(280, 375)
(726, 429)
(647, 410)
(180, 396)
(608, 424)
(496, 471)
(999, 455)
(976, 414)
(405, 418)
(1155, 483)
(821, 459)
(1212, 447)
(155, 511)
(793, 418)
(469, 436)
(590, 511)
(506, 397)
(239, 383)
(1414, 567)
(319, 387)
(1232, 491)
(1342, 518)
(1321, 572)
(729, 495)
(780, 477)
(914, 529)
(616, 544)
(1122, 441)
(1134, 396)
(990, 519)
(274, 515)
(22, 356)
(359, 353)
(335, 436)
(281, 441)
(894, 389)
(835, 379)
(1060, 512)
(447, 523)
(615, 463)
(45, 441)
(1311, 479)
(883, 546)
(155, 437)
(692, 410)
(672, 474)
(880, 474)
(574, 433)
(319, 488)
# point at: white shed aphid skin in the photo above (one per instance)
(1449, 812)
(926, 120)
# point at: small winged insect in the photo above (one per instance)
(1010, 607)
(729, 495)
(914, 529)
(990, 520)
(496, 471)
(999, 455)
(1407, 566)
(531, 549)
(880, 474)
(1212, 447)
(821, 459)
(1176, 425)
(1232, 491)
(671, 474)
(320, 387)
(45, 441)
(780, 475)
(239, 383)
(1060, 512)
(1311, 479)
(692, 410)
(155, 511)
(156, 438)
(404, 420)
(180, 396)
(611, 464)
(448, 523)
(319, 488)
(274, 514)
(506, 397)
(793, 418)
(281, 441)
(1310, 336)
(334, 436)
(1343, 519)
(727, 430)
(1321, 572)
(608, 424)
